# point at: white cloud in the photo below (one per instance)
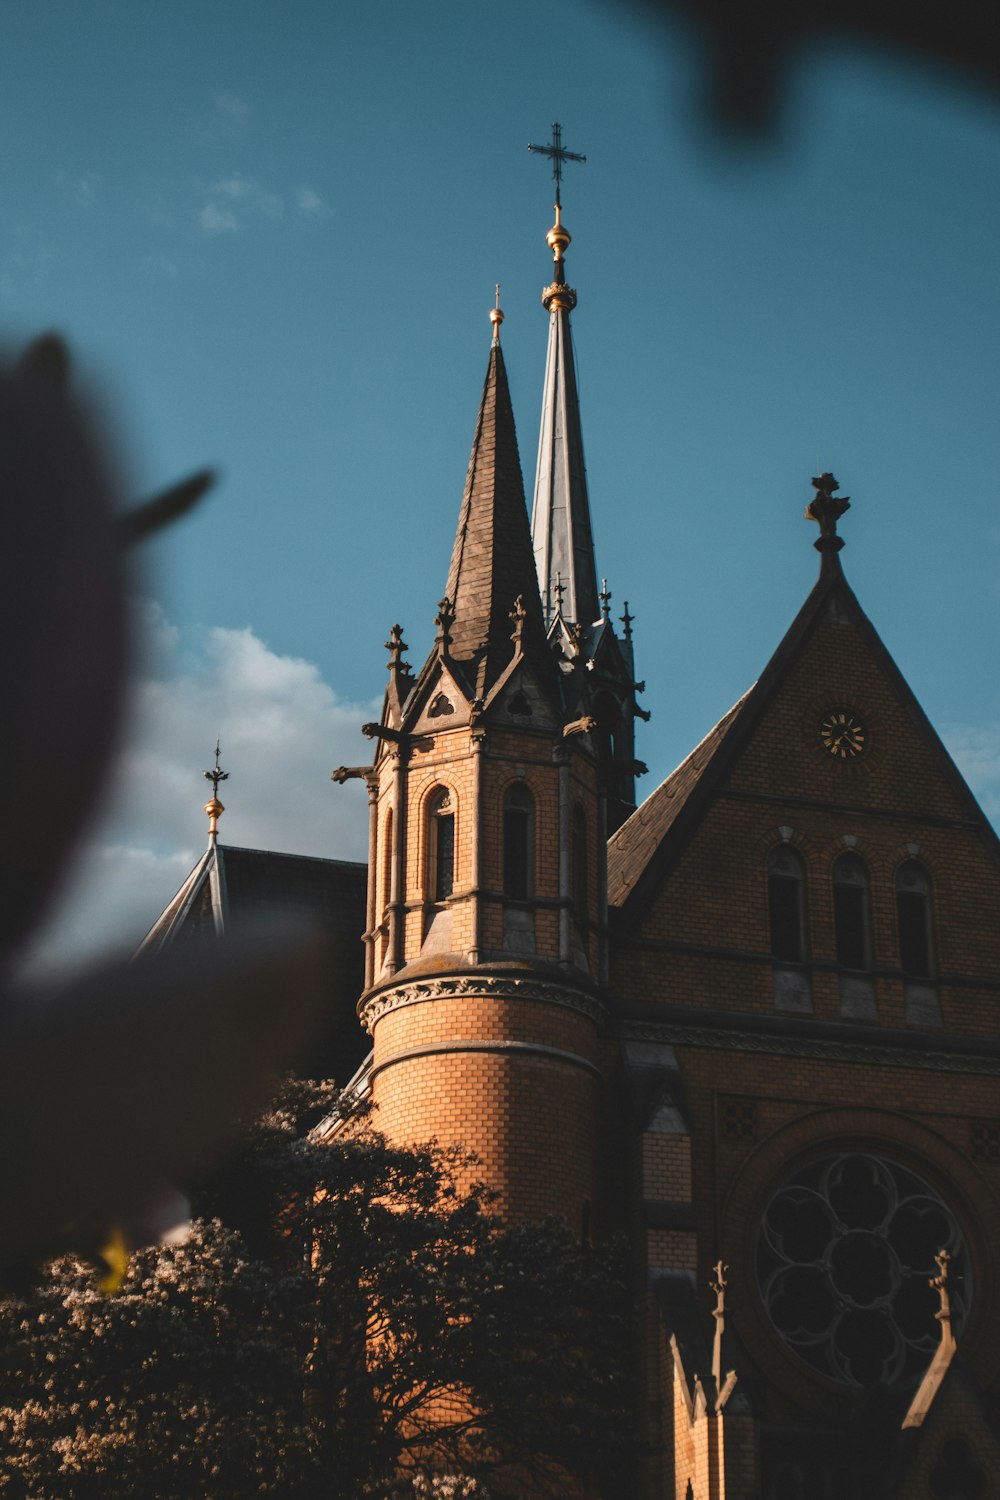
(246, 194)
(231, 107)
(310, 203)
(283, 729)
(976, 752)
(216, 220)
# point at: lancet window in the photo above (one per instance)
(518, 842)
(441, 845)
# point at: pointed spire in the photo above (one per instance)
(492, 564)
(214, 807)
(560, 520)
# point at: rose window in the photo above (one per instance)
(845, 1251)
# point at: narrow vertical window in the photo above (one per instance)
(786, 903)
(441, 846)
(387, 864)
(579, 867)
(913, 914)
(517, 843)
(851, 910)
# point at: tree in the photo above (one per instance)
(343, 1317)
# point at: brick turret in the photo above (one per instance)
(486, 917)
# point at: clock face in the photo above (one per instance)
(843, 735)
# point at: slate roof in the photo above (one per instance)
(636, 841)
(492, 561)
(231, 887)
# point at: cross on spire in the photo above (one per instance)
(214, 807)
(217, 774)
(558, 154)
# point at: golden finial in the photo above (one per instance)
(496, 317)
(558, 238)
(214, 807)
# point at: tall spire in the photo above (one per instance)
(491, 563)
(561, 532)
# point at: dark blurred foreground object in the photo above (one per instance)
(753, 44)
(86, 1072)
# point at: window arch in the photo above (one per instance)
(518, 842)
(852, 913)
(579, 867)
(913, 917)
(440, 845)
(786, 905)
(386, 864)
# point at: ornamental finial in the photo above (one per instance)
(214, 807)
(558, 296)
(496, 317)
(826, 509)
(444, 619)
(939, 1284)
(396, 646)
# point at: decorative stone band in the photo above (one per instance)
(504, 1049)
(716, 1037)
(483, 986)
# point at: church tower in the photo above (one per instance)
(486, 921)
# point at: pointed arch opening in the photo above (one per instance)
(440, 845)
(518, 842)
(518, 869)
(853, 936)
(786, 902)
(915, 931)
(579, 862)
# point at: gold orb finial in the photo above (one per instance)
(558, 238)
(496, 317)
(214, 807)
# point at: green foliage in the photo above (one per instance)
(331, 1343)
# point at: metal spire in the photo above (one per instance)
(214, 807)
(561, 532)
(496, 317)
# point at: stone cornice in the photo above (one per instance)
(539, 991)
(937, 1054)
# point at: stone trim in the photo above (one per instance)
(483, 987)
(505, 1049)
(715, 1037)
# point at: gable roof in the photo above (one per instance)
(649, 843)
(633, 845)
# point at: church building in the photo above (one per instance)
(751, 1022)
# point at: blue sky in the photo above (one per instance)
(271, 234)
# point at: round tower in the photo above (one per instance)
(486, 932)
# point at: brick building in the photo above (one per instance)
(753, 1020)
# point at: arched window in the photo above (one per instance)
(518, 841)
(579, 867)
(851, 913)
(913, 915)
(786, 904)
(386, 864)
(441, 846)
